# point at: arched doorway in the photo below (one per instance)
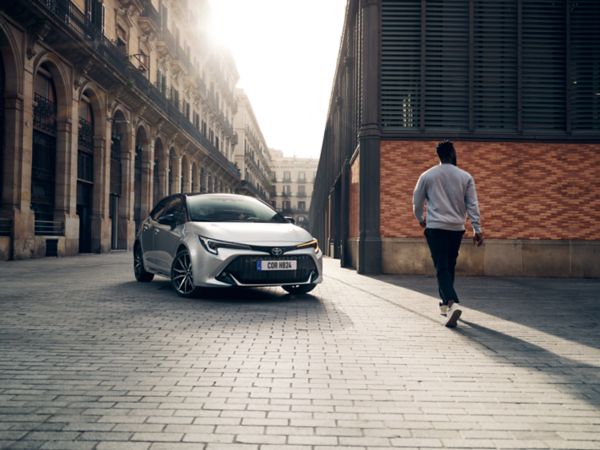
(43, 163)
(85, 173)
(118, 142)
(141, 141)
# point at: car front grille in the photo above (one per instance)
(243, 269)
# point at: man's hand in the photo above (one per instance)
(478, 239)
(423, 224)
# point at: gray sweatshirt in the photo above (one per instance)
(450, 195)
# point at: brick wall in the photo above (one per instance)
(526, 190)
(354, 198)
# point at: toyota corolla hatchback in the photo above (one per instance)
(225, 240)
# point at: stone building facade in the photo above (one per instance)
(107, 106)
(251, 153)
(293, 182)
(514, 84)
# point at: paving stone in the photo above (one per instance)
(363, 363)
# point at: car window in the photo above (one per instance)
(230, 208)
(177, 208)
(159, 208)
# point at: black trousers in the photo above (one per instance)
(444, 246)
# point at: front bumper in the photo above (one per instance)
(233, 267)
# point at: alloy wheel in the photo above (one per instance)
(181, 274)
(138, 265)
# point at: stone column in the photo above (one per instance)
(16, 191)
(187, 177)
(147, 180)
(126, 222)
(101, 225)
(195, 178)
(175, 173)
(163, 176)
(65, 208)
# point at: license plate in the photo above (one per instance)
(276, 265)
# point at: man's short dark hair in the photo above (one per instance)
(444, 150)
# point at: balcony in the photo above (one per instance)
(166, 44)
(149, 19)
(246, 188)
(114, 69)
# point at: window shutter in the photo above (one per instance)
(447, 64)
(544, 65)
(585, 63)
(401, 63)
(495, 65)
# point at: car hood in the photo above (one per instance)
(252, 233)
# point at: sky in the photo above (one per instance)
(286, 54)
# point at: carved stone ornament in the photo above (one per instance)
(38, 31)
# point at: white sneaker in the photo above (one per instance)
(444, 309)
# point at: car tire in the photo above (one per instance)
(138, 266)
(299, 288)
(182, 277)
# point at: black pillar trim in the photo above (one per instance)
(345, 259)
(369, 245)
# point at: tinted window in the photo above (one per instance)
(230, 208)
(175, 207)
(158, 209)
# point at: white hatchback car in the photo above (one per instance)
(225, 240)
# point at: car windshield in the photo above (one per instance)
(230, 208)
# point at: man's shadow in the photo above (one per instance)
(580, 379)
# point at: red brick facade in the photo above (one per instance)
(526, 190)
(354, 198)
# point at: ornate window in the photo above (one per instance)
(85, 154)
(43, 165)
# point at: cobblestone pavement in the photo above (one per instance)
(90, 359)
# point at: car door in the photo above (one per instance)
(148, 232)
(166, 236)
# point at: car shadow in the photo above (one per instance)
(158, 298)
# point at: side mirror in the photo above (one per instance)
(168, 219)
(290, 219)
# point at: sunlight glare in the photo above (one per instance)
(286, 53)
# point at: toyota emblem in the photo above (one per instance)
(276, 251)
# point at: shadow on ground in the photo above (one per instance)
(566, 308)
(576, 378)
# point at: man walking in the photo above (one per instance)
(450, 196)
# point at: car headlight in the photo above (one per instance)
(213, 245)
(314, 244)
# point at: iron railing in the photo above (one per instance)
(151, 12)
(49, 228)
(44, 114)
(86, 133)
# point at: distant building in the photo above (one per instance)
(515, 85)
(251, 153)
(105, 107)
(293, 182)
